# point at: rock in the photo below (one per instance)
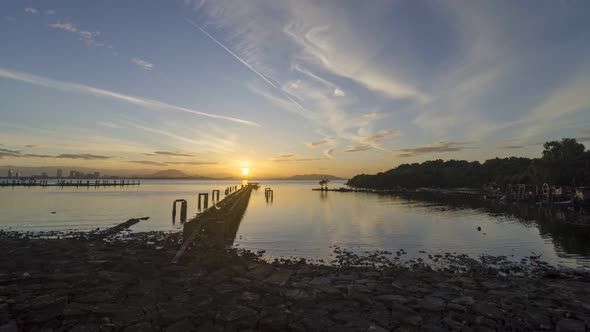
(464, 300)
(230, 314)
(393, 298)
(375, 328)
(260, 272)
(432, 303)
(320, 281)
(141, 327)
(570, 325)
(9, 327)
(297, 294)
(182, 326)
(488, 310)
(279, 278)
(249, 296)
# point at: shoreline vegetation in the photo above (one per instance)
(564, 162)
(80, 282)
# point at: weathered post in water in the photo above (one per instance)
(183, 208)
(205, 201)
(213, 197)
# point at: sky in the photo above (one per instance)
(288, 87)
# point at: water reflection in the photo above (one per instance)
(306, 224)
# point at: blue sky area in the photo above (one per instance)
(288, 87)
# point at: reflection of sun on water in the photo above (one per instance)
(245, 171)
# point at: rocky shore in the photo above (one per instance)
(75, 282)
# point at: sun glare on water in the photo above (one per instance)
(245, 171)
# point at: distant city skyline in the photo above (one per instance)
(287, 87)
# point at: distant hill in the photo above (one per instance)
(313, 177)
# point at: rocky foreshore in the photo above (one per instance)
(74, 282)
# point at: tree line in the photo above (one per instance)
(564, 162)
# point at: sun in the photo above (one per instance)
(245, 171)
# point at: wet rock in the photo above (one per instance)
(298, 294)
(402, 314)
(9, 327)
(279, 278)
(570, 325)
(182, 326)
(141, 327)
(488, 310)
(393, 298)
(432, 303)
(260, 272)
(249, 296)
(464, 300)
(231, 314)
(321, 281)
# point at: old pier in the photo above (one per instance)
(219, 222)
(33, 182)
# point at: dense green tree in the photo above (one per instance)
(564, 162)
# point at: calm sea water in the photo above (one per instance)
(304, 223)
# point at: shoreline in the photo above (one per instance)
(129, 285)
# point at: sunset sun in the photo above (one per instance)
(245, 171)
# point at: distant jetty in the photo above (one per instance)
(30, 182)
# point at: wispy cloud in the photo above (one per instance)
(287, 155)
(147, 162)
(49, 12)
(379, 136)
(33, 145)
(317, 143)
(511, 147)
(32, 10)
(295, 159)
(81, 156)
(84, 89)
(172, 154)
(433, 148)
(145, 65)
(357, 148)
(193, 163)
(329, 153)
(67, 26)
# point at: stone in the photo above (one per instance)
(570, 325)
(464, 300)
(141, 327)
(488, 310)
(279, 278)
(392, 298)
(182, 326)
(297, 294)
(9, 327)
(231, 314)
(320, 281)
(249, 296)
(432, 303)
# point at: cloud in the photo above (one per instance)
(339, 93)
(583, 139)
(433, 148)
(145, 65)
(172, 154)
(33, 145)
(585, 131)
(32, 10)
(287, 155)
(357, 148)
(193, 163)
(10, 151)
(88, 37)
(67, 26)
(379, 136)
(49, 12)
(318, 143)
(147, 162)
(295, 159)
(329, 153)
(511, 147)
(83, 156)
(84, 89)
(109, 124)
